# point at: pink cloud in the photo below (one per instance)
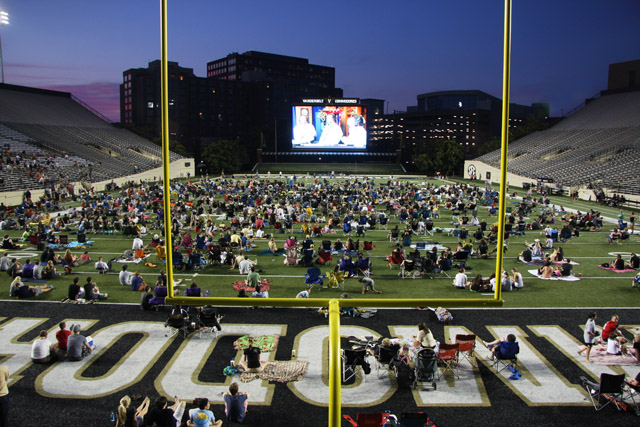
(101, 96)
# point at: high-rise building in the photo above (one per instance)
(245, 97)
(198, 107)
(278, 82)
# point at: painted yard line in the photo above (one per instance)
(301, 276)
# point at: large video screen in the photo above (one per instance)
(329, 127)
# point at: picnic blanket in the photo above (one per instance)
(540, 261)
(32, 280)
(240, 284)
(626, 270)
(279, 371)
(131, 260)
(571, 278)
(72, 245)
(430, 246)
(600, 356)
(265, 343)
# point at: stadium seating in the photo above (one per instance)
(599, 144)
(66, 140)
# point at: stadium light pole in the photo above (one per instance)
(4, 20)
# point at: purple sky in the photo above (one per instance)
(392, 50)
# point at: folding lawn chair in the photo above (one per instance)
(448, 356)
(467, 346)
(368, 420)
(351, 359)
(609, 390)
(312, 276)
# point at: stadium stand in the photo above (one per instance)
(47, 137)
(598, 145)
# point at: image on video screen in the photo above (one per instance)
(329, 127)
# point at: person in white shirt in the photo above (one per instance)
(304, 132)
(42, 350)
(357, 136)
(5, 262)
(138, 244)
(460, 281)
(101, 266)
(518, 282)
(245, 266)
(125, 276)
(305, 293)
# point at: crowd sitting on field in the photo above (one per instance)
(218, 222)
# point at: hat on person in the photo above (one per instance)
(537, 240)
(75, 328)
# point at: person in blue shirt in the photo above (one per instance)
(203, 417)
(504, 348)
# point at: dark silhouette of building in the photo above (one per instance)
(277, 82)
(245, 97)
(470, 117)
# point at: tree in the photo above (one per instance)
(223, 155)
(436, 155)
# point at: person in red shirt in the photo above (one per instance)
(62, 335)
(610, 330)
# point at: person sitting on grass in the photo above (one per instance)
(236, 403)
(128, 416)
(101, 266)
(617, 263)
(91, 291)
(77, 346)
(503, 348)
(137, 282)
(49, 271)
(71, 259)
(478, 284)
(615, 235)
(258, 293)
(42, 350)
(424, 338)
(124, 277)
(251, 362)
(202, 416)
(163, 415)
(273, 247)
(460, 281)
(62, 337)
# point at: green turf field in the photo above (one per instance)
(597, 287)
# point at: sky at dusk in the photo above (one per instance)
(392, 50)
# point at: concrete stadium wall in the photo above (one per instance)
(517, 180)
(177, 169)
(482, 169)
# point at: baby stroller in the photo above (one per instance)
(426, 364)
